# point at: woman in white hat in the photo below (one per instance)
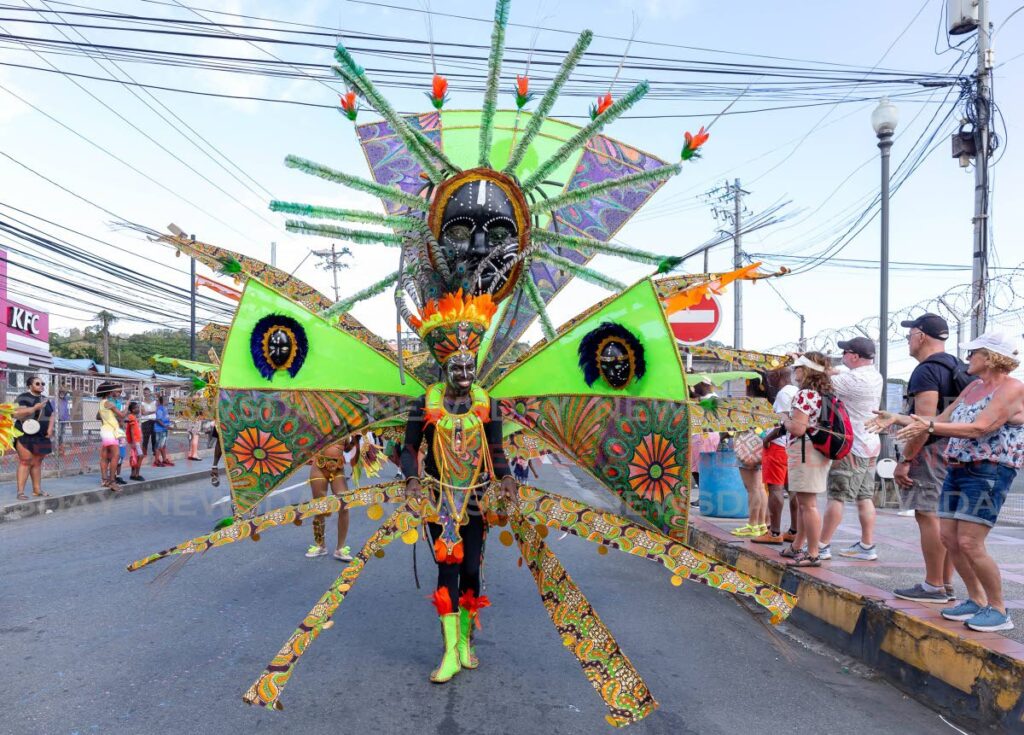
(986, 450)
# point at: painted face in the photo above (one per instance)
(461, 372)
(613, 362)
(279, 348)
(479, 224)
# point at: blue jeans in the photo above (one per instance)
(975, 492)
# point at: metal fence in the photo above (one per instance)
(76, 436)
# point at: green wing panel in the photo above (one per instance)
(554, 368)
(335, 360)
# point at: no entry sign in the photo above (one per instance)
(698, 323)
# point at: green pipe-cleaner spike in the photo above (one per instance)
(198, 383)
(581, 272)
(369, 292)
(586, 193)
(390, 193)
(224, 523)
(579, 139)
(358, 236)
(548, 101)
(590, 245)
(396, 221)
(538, 305)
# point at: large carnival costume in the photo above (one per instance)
(485, 238)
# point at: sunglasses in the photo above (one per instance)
(36, 382)
(972, 353)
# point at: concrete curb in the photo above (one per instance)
(98, 494)
(928, 658)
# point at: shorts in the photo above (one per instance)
(928, 471)
(852, 479)
(774, 465)
(975, 492)
(35, 444)
(160, 437)
(107, 438)
(808, 468)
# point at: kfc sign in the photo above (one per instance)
(23, 320)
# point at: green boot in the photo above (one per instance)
(467, 656)
(449, 665)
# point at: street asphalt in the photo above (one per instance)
(89, 648)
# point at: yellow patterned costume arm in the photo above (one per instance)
(585, 635)
(388, 492)
(266, 690)
(620, 533)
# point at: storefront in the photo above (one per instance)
(24, 337)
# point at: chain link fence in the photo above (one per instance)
(75, 407)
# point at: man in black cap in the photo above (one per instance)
(922, 470)
(852, 479)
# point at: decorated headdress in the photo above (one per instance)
(454, 324)
(500, 227)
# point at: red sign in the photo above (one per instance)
(698, 323)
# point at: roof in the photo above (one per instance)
(85, 365)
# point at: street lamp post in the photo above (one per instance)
(884, 120)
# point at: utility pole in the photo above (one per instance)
(192, 308)
(982, 102)
(330, 260)
(720, 198)
(803, 340)
(273, 254)
(737, 262)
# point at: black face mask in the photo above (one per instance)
(614, 365)
(478, 220)
(279, 348)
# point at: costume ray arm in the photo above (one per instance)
(590, 246)
(604, 664)
(548, 101)
(399, 222)
(584, 134)
(369, 292)
(537, 302)
(575, 196)
(363, 237)
(388, 492)
(493, 79)
(389, 193)
(266, 691)
(356, 75)
(580, 271)
(620, 533)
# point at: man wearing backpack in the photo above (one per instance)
(852, 479)
(936, 381)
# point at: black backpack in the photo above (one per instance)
(959, 378)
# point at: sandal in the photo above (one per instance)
(790, 553)
(22, 496)
(214, 477)
(43, 494)
(806, 561)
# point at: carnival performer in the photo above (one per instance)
(33, 446)
(453, 418)
(326, 472)
(109, 417)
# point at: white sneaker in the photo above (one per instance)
(825, 552)
(314, 551)
(860, 552)
(343, 554)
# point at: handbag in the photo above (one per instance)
(749, 449)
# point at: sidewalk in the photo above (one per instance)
(899, 564)
(849, 604)
(69, 492)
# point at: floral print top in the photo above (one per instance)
(1003, 446)
(809, 402)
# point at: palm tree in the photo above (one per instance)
(105, 318)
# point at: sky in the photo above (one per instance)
(822, 159)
